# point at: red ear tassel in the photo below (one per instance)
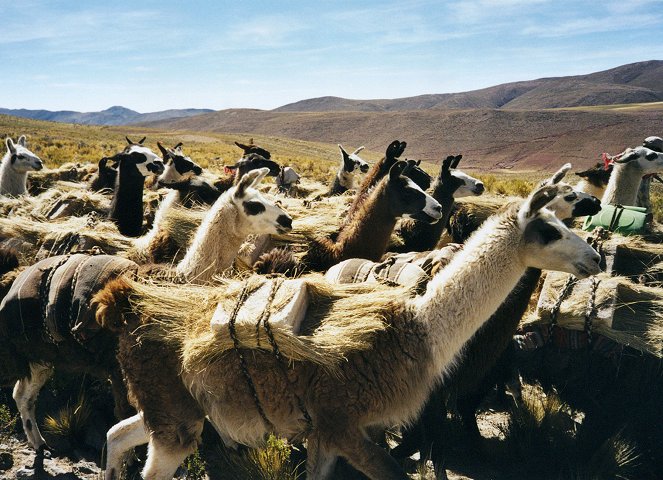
(228, 171)
(607, 160)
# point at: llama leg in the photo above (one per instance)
(122, 437)
(162, 461)
(320, 460)
(368, 458)
(25, 395)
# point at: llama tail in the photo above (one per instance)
(112, 305)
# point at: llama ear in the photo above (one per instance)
(539, 199)
(261, 173)
(358, 150)
(22, 140)
(129, 141)
(243, 147)
(456, 161)
(164, 152)
(247, 181)
(559, 174)
(179, 145)
(349, 164)
(10, 145)
(397, 169)
(446, 165)
(140, 142)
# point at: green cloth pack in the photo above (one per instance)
(623, 219)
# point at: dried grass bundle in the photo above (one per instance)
(340, 319)
(626, 312)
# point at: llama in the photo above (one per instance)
(386, 351)
(286, 179)
(351, 164)
(16, 164)
(379, 170)
(451, 183)
(135, 162)
(45, 326)
(253, 148)
(185, 176)
(250, 162)
(240, 211)
(178, 167)
(629, 168)
(480, 366)
(368, 234)
(105, 176)
(595, 179)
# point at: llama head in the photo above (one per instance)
(352, 161)
(548, 244)
(21, 159)
(417, 174)
(251, 148)
(569, 202)
(254, 161)
(654, 143)
(261, 214)
(406, 198)
(642, 159)
(598, 175)
(459, 183)
(178, 167)
(144, 160)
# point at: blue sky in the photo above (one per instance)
(149, 56)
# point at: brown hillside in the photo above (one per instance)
(632, 83)
(523, 140)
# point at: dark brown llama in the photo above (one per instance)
(367, 235)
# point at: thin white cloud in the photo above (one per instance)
(587, 25)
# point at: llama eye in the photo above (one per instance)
(570, 197)
(253, 208)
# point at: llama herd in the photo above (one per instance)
(332, 347)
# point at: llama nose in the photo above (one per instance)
(284, 221)
(479, 188)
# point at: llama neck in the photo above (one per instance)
(464, 295)
(127, 205)
(445, 197)
(143, 243)
(623, 185)
(369, 233)
(216, 243)
(644, 198)
(12, 182)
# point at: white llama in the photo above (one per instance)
(16, 164)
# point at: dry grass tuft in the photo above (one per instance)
(272, 462)
(70, 422)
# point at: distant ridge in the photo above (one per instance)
(640, 82)
(111, 116)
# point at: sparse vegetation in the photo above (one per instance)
(272, 462)
(70, 422)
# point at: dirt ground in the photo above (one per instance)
(17, 458)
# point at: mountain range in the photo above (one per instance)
(633, 83)
(536, 124)
(111, 116)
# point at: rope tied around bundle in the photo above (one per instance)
(264, 320)
(600, 235)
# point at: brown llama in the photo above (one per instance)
(451, 183)
(379, 170)
(368, 234)
(366, 357)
